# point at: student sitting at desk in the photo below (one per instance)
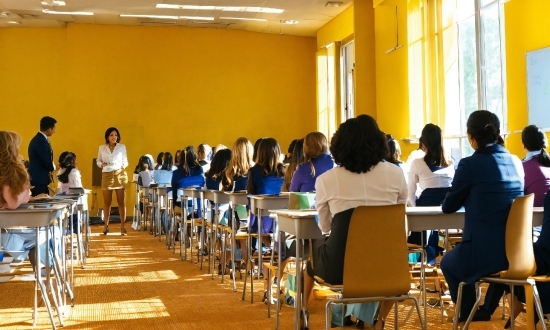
(266, 177)
(296, 159)
(536, 163)
(15, 185)
(426, 174)
(213, 178)
(394, 154)
(485, 184)
(69, 177)
(317, 161)
(362, 177)
(188, 174)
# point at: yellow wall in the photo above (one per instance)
(163, 87)
(365, 66)
(392, 93)
(527, 29)
(338, 29)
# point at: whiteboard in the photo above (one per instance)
(538, 87)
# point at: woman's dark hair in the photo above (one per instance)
(168, 162)
(288, 155)
(188, 160)
(296, 159)
(109, 131)
(145, 160)
(432, 141)
(392, 148)
(358, 144)
(177, 157)
(484, 127)
(534, 139)
(219, 164)
(256, 146)
(66, 163)
(136, 170)
(160, 158)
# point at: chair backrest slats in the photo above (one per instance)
(376, 262)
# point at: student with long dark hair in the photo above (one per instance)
(69, 177)
(296, 158)
(217, 169)
(168, 164)
(394, 151)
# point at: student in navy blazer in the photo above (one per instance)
(41, 157)
(485, 184)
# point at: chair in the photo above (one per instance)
(366, 279)
(521, 261)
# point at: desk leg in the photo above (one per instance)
(213, 239)
(235, 229)
(298, 300)
(279, 276)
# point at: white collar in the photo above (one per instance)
(43, 134)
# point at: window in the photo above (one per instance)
(456, 64)
(348, 81)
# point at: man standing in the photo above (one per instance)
(41, 163)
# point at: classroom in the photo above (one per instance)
(405, 63)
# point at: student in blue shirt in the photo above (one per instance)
(189, 173)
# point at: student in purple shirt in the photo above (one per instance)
(536, 163)
(316, 162)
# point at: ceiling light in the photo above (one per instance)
(54, 3)
(13, 22)
(168, 17)
(4, 14)
(289, 21)
(85, 13)
(224, 8)
(149, 16)
(334, 4)
(246, 19)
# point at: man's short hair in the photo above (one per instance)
(46, 123)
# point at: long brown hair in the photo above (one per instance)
(269, 153)
(240, 163)
(432, 140)
(12, 172)
(315, 145)
(296, 159)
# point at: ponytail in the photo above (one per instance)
(544, 158)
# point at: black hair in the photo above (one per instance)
(288, 155)
(67, 163)
(47, 123)
(109, 131)
(358, 144)
(188, 160)
(432, 140)
(534, 139)
(145, 160)
(160, 157)
(168, 162)
(219, 164)
(392, 148)
(484, 127)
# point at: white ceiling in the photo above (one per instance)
(311, 14)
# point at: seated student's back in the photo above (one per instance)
(536, 163)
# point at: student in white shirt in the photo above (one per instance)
(425, 174)
(113, 160)
(69, 177)
(146, 172)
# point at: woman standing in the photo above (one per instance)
(113, 160)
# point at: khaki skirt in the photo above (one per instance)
(114, 180)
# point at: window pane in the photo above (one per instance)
(486, 2)
(467, 69)
(492, 58)
(465, 9)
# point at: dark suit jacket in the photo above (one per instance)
(486, 184)
(40, 160)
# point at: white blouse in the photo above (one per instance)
(419, 173)
(339, 190)
(115, 160)
(75, 181)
